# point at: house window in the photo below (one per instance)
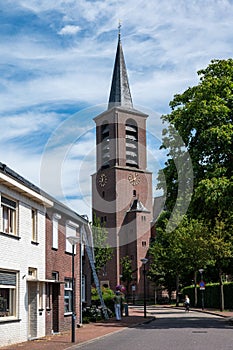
(41, 296)
(70, 231)
(8, 208)
(55, 276)
(34, 225)
(143, 243)
(55, 233)
(83, 288)
(8, 295)
(48, 292)
(68, 295)
(32, 272)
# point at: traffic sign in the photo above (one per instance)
(202, 285)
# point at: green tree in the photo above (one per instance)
(203, 117)
(102, 251)
(180, 253)
(221, 251)
(126, 272)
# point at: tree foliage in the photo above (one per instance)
(102, 251)
(126, 269)
(202, 117)
(180, 253)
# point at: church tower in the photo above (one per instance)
(122, 185)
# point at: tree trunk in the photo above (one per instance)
(177, 290)
(195, 288)
(221, 291)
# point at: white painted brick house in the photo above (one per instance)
(22, 258)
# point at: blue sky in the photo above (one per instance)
(55, 72)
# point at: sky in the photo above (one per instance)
(56, 66)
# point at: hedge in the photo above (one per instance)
(211, 295)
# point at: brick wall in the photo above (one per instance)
(58, 260)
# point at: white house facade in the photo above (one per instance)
(22, 262)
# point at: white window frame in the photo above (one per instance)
(55, 233)
(68, 296)
(83, 293)
(12, 299)
(9, 215)
(71, 230)
(34, 223)
(41, 295)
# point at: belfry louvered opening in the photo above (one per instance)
(131, 135)
(105, 144)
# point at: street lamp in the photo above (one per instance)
(73, 241)
(202, 288)
(144, 261)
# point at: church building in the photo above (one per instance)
(122, 184)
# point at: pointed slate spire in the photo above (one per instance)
(120, 93)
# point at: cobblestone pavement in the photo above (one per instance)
(92, 331)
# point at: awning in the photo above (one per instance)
(43, 280)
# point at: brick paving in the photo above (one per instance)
(83, 334)
(91, 331)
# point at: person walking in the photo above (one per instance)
(186, 303)
(118, 298)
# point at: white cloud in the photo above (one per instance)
(66, 57)
(69, 30)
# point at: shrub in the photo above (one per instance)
(108, 296)
(211, 295)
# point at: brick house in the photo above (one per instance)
(35, 264)
(62, 222)
(22, 263)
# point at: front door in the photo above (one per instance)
(32, 310)
(55, 307)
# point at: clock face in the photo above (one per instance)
(134, 179)
(102, 180)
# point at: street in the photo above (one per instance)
(172, 329)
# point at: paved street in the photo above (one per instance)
(172, 329)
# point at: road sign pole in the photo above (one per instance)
(202, 299)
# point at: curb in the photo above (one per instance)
(77, 346)
(205, 311)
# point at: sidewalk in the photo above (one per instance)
(227, 314)
(86, 333)
(91, 331)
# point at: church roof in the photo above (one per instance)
(137, 206)
(120, 92)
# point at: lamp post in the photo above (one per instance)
(73, 241)
(202, 288)
(144, 261)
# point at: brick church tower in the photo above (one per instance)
(122, 185)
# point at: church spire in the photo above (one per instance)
(120, 93)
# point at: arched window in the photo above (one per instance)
(131, 135)
(105, 149)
